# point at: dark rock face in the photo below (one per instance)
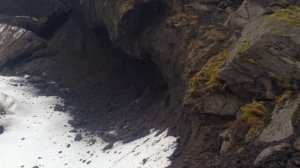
(265, 57)
(133, 65)
(17, 44)
(78, 137)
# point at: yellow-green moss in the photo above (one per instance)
(287, 16)
(284, 96)
(243, 46)
(253, 111)
(253, 114)
(207, 76)
(283, 19)
(251, 121)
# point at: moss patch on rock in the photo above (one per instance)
(284, 96)
(252, 113)
(288, 16)
(250, 122)
(283, 19)
(206, 81)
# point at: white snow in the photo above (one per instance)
(36, 135)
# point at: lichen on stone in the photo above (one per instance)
(205, 81)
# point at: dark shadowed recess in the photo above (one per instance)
(108, 89)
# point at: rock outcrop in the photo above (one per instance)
(198, 67)
(17, 44)
(281, 126)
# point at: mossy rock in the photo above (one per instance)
(264, 59)
(283, 19)
(206, 80)
(253, 116)
(253, 113)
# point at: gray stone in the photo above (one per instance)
(266, 54)
(223, 105)
(78, 137)
(249, 10)
(17, 43)
(226, 140)
(281, 126)
(107, 147)
(269, 152)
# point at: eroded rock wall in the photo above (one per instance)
(211, 70)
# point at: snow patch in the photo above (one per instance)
(36, 135)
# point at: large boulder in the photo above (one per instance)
(17, 44)
(266, 57)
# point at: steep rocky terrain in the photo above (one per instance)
(223, 75)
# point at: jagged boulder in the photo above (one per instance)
(17, 44)
(266, 57)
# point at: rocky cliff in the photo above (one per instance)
(223, 75)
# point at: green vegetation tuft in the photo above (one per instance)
(205, 81)
(284, 96)
(253, 113)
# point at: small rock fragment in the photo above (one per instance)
(78, 137)
(107, 147)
